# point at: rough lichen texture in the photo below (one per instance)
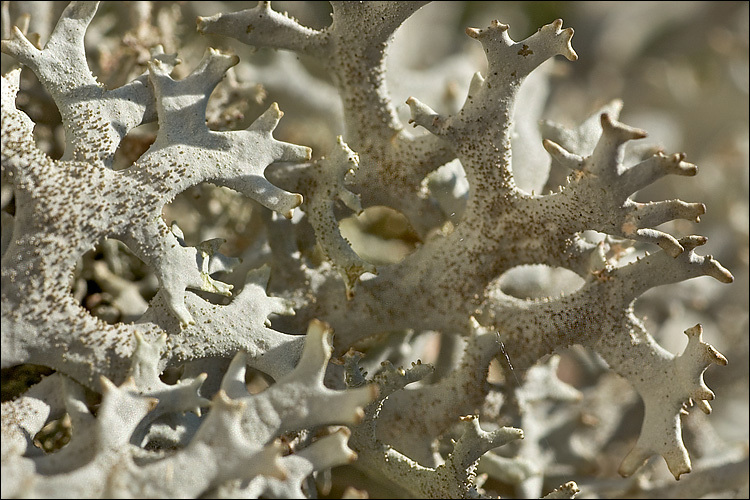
(430, 297)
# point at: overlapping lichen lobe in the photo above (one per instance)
(71, 339)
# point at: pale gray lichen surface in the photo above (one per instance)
(374, 251)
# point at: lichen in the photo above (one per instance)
(279, 368)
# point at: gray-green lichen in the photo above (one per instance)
(325, 330)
